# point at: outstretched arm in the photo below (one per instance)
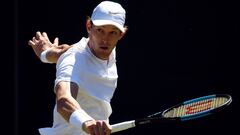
(71, 111)
(41, 42)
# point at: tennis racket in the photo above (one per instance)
(188, 110)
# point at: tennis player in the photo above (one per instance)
(86, 75)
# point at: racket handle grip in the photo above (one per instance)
(123, 126)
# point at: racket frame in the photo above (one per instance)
(203, 113)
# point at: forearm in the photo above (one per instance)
(55, 52)
(66, 94)
(66, 106)
(71, 111)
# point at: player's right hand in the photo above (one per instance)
(99, 127)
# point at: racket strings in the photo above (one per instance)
(196, 107)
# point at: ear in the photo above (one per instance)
(123, 33)
(88, 25)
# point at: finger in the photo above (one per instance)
(35, 40)
(96, 130)
(38, 35)
(93, 130)
(100, 128)
(31, 43)
(89, 127)
(56, 41)
(44, 34)
(107, 128)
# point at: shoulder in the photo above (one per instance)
(73, 56)
(77, 52)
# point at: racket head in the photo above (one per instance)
(197, 107)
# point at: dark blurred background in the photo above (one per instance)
(173, 51)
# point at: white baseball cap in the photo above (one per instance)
(109, 13)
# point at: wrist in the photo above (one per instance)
(78, 117)
(43, 56)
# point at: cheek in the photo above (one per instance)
(115, 41)
(95, 39)
(113, 44)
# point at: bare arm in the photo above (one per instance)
(66, 93)
(41, 42)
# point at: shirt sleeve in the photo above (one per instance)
(67, 68)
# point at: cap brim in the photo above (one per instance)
(107, 22)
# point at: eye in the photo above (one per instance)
(113, 32)
(99, 30)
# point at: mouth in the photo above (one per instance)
(104, 48)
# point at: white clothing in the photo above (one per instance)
(96, 79)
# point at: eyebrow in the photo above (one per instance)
(113, 27)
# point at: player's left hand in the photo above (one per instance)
(41, 42)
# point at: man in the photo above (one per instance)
(86, 75)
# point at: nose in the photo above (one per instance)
(105, 38)
(104, 41)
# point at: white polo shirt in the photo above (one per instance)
(97, 81)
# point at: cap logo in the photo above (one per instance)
(113, 13)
